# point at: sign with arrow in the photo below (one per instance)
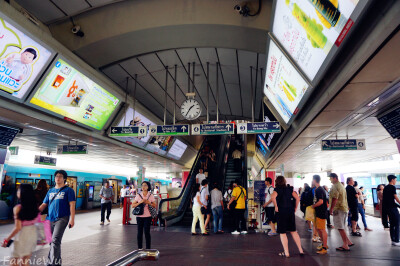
(213, 129)
(258, 127)
(343, 144)
(137, 131)
(72, 149)
(169, 130)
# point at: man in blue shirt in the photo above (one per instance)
(61, 203)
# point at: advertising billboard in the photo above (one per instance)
(22, 60)
(159, 144)
(137, 119)
(310, 29)
(284, 86)
(69, 93)
(177, 150)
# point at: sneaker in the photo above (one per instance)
(320, 247)
(356, 234)
(102, 223)
(396, 244)
(108, 220)
(244, 232)
(235, 233)
(316, 239)
(322, 251)
(270, 233)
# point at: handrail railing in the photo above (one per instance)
(186, 185)
(135, 256)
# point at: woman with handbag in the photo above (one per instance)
(144, 201)
(196, 209)
(25, 216)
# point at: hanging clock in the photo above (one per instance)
(191, 109)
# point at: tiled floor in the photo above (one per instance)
(92, 244)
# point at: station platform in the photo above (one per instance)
(89, 243)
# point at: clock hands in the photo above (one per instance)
(189, 110)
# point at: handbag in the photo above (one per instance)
(310, 214)
(153, 212)
(138, 210)
(43, 230)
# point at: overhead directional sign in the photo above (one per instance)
(259, 127)
(170, 130)
(137, 131)
(45, 160)
(72, 149)
(343, 144)
(13, 150)
(213, 129)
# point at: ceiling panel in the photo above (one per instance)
(72, 6)
(37, 8)
(96, 3)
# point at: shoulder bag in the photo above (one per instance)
(153, 211)
(234, 203)
(138, 210)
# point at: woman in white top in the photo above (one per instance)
(196, 209)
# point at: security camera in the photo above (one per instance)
(242, 9)
(77, 31)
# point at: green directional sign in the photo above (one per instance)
(342, 144)
(136, 131)
(169, 130)
(213, 129)
(72, 149)
(13, 150)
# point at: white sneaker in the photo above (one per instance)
(235, 233)
(396, 244)
(243, 232)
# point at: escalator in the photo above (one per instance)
(179, 211)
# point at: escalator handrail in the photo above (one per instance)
(187, 180)
(135, 256)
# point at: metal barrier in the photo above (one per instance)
(135, 256)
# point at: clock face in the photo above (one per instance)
(190, 109)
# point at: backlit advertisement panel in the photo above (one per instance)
(69, 93)
(310, 29)
(284, 86)
(134, 120)
(159, 144)
(22, 60)
(177, 150)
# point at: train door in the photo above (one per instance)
(72, 182)
(114, 185)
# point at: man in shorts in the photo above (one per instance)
(269, 206)
(338, 210)
(320, 206)
(352, 202)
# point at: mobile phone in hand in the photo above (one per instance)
(10, 242)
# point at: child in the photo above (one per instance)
(25, 216)
(20, 67)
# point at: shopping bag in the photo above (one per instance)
(310, 214)
(43, 230)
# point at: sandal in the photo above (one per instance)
(351, 245)
(342, 249)
(282, 254)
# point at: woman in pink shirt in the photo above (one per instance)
(144, 220)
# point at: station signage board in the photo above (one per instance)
(72, 149)
(44, 160)
(213, 129)
(343, 144)
(169, 130)
(13, 150)
(135, 131)
(258, 128)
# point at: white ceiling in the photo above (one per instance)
(234, 80)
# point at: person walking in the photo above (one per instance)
(352, 201)
(239, 197)
(205, 200)
(338, 210)
(124, 192)
(196, 209)
(217, 206)
(144, 221)
(390, 206)
(384, 216)
(24, 231)
(320, 206)
(106, 194)
(40, 194)
(303, 198)
(61, 203)
(282, 198)
(269, 206)
(361, 206)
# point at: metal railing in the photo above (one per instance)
(135, 256)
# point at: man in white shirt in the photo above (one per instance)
(200, 176)
(123, 193)
(204, 196)
(269, 206)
